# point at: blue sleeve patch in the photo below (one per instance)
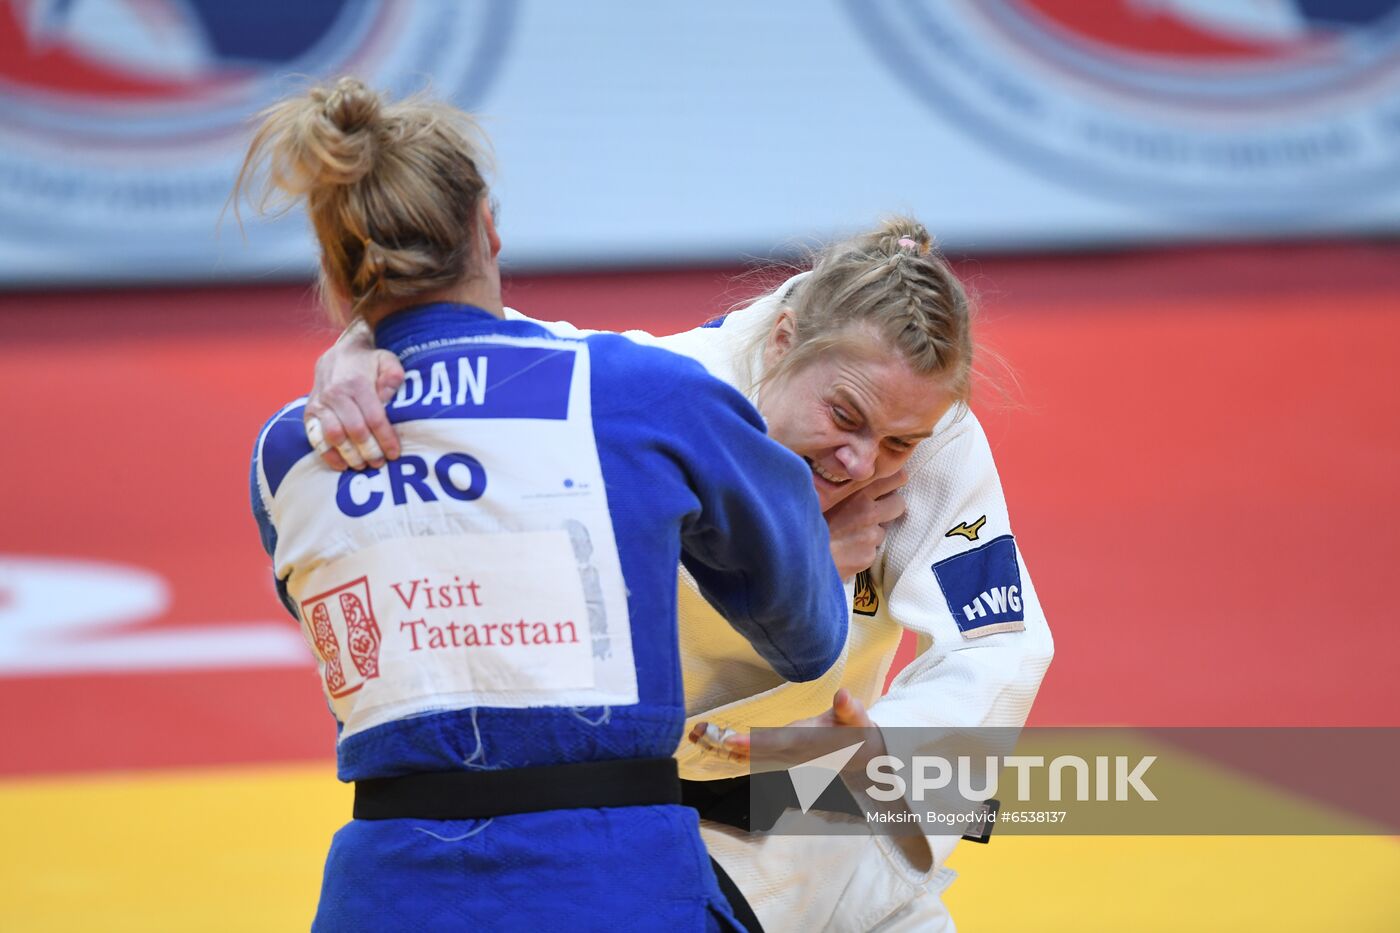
(983, 588)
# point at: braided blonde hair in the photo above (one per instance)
(392, 189)
(893, 283)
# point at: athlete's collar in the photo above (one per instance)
(403, 329)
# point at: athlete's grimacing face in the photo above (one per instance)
(854, 413)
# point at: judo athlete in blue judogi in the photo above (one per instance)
(493, 614)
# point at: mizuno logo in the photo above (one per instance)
(968, 531)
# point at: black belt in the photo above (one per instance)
(755, 802)
(475, 795)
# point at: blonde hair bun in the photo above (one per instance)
(342, 124)
(391, 188)
(897, 233)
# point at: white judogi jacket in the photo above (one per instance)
(982, 672)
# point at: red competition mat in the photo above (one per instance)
(1200, 460)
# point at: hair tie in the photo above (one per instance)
(908, 243)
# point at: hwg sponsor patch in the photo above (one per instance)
(983, 588)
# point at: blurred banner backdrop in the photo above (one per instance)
(636, 132)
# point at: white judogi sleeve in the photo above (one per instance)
(976, 666)
(980, 661)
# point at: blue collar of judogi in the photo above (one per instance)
(411, 326)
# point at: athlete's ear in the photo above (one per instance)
(488, 226)
(781, 339)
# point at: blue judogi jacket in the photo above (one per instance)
(608, 463)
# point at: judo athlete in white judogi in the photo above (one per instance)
(816, 357)
(976, 665)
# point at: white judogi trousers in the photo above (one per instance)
(866, 883)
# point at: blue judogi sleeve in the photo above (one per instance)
(758, 547)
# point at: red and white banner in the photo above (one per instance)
(634, 132)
